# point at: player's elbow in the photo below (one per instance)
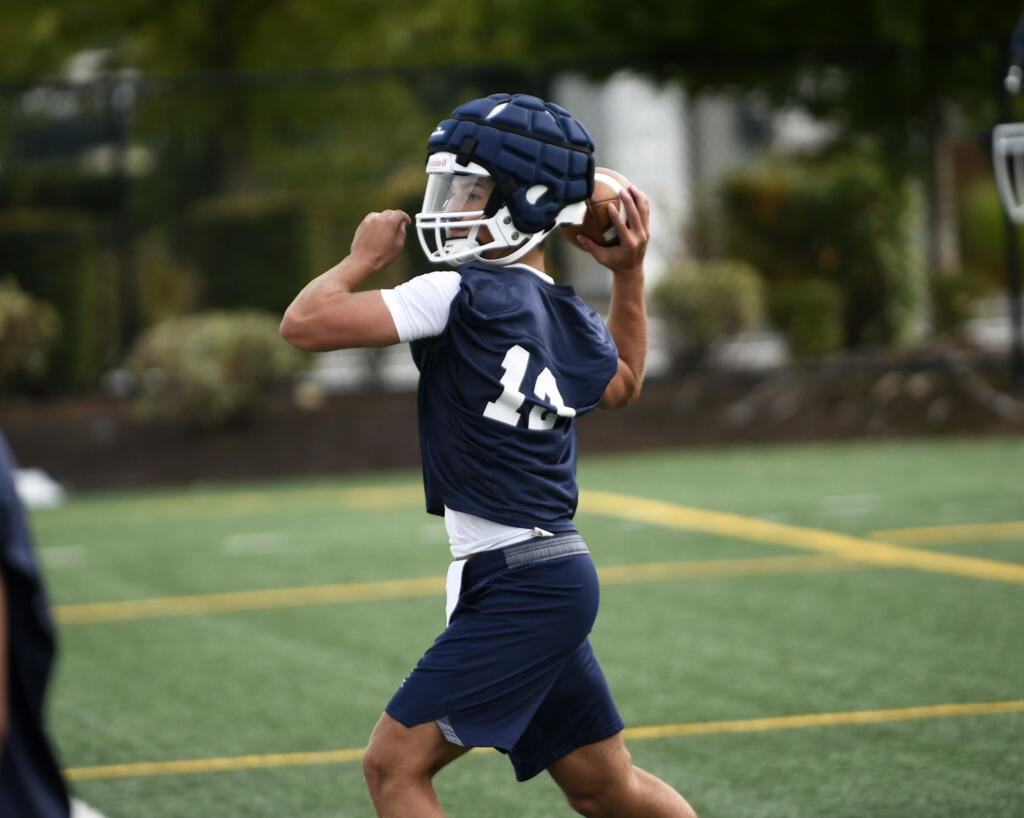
(626, 399)
(290, 330)
(296, 332)
(623, 390)
(633, 396)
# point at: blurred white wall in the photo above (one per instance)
(640, 130)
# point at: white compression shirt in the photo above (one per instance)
(419, 308)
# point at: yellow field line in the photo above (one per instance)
(711, 569)
(383, 497)
(211, 765)
(939, 711)
(203, 505)
(706, 728)
(247, 600)
(951, 534)
(91, 613)
(840, 547)
(671, 515)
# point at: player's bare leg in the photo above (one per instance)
(600, 780)
(399, 764)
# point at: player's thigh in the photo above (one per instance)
(418, 750)
(594, 768)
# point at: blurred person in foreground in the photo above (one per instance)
(507, 359)
(31, 784)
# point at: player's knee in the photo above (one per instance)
(594, 804)
(583, 804)
(600, 796)
(382, 765)
(386, 764)
(376, 769)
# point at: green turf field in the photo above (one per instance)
(808, 632)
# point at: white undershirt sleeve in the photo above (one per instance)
(420, 306)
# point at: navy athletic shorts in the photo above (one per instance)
(514, 669)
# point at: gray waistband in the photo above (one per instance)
(540, 549)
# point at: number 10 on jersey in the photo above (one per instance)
(506, 407)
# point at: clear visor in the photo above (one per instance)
(452, 224)
(463, 194)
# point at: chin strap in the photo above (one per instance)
(515, 255)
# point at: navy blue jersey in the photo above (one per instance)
(499, 389)
(31, 785)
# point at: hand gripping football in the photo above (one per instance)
(597, 224)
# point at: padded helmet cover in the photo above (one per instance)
(523, 142)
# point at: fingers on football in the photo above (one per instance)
(634, 227)
(643, 205)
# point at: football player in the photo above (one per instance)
(31, 783)
(508, 359)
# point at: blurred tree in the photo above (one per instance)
(874, 66)
(894, 71)
(226, 35)
(902, 53)
(887, 69)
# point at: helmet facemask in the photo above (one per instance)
(465, 217)
(1008, 164)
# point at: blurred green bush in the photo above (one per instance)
(810, 312)
(28, 329)
(61, 257)
(953, 298)
(209, 369)
(166, 286)
(702, 302)
(983, 234)
(839, 219)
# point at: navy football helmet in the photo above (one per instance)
(502, 173)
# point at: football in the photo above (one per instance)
(597, 225)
